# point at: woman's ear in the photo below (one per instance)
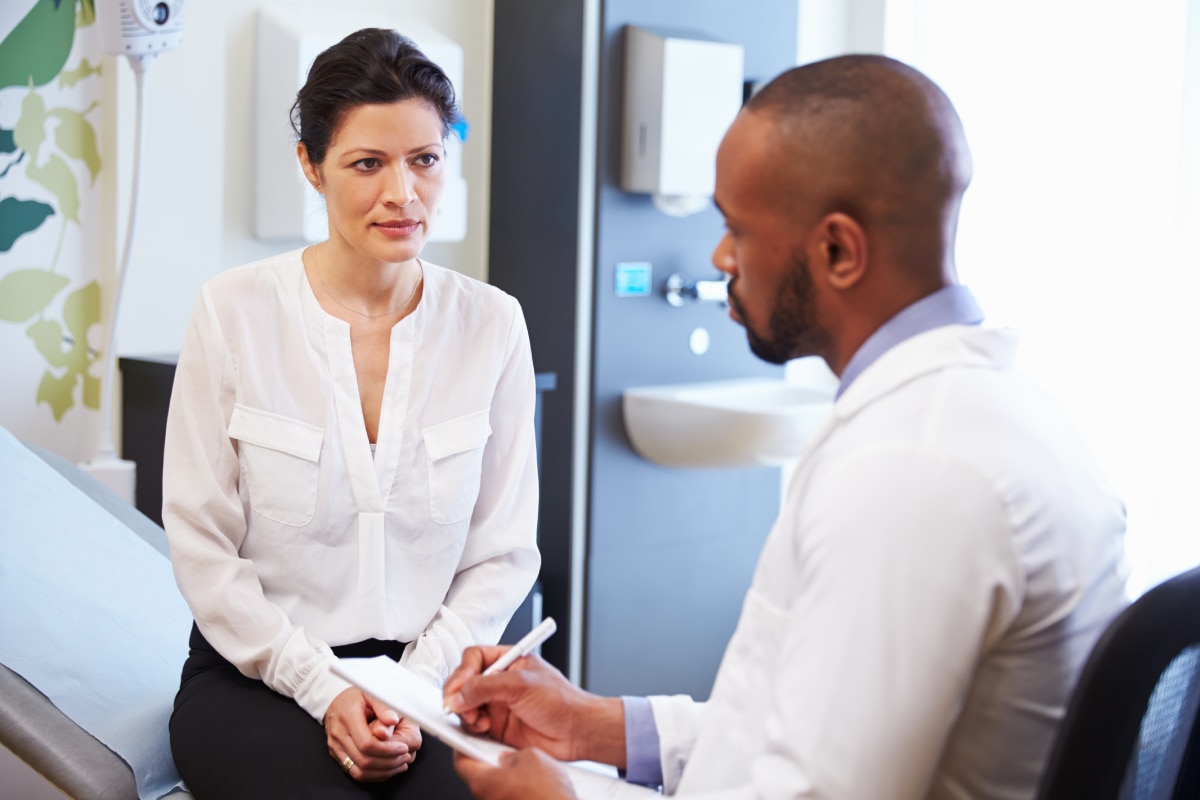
(310, 169)
(842, 246)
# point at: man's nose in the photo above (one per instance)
(722, 257)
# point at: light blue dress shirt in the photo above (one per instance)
(950, 305)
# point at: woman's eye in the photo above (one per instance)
(366, 164)
(428, 159)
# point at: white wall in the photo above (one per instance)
(177, 240)
(1179, 425)
(196, 215)
(836, 27)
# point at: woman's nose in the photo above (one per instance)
(399, 188)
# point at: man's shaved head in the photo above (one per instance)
(873, 138)
(840, 183)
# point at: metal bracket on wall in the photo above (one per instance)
(679, 290)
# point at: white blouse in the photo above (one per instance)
(288, 537)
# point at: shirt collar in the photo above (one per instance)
(950, 305)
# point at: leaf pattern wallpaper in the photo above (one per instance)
(50, 210)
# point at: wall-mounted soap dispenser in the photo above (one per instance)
(289, 38)
(681, 94)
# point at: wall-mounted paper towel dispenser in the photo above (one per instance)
(681, 94)
(289, 38)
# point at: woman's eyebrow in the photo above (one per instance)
(373, 151)
(370, 151)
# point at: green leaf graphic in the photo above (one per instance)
(30, 131)
(31, 127)
(91, 391)
(37, 48)
(68, 78)
(86, 14)
(47, 337)
(26, 292)
(77, 138)
(56, 393)
(57, 177)
(81, 310)
(17, 218)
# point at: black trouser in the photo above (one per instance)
(234, 737)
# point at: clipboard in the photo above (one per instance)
(414, 697)
(419, 700)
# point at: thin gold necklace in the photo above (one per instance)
(389, 312)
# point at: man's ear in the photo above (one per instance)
(310, 170)
(842, 245)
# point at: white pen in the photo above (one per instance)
(527, 644)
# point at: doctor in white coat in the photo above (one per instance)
(947, 551)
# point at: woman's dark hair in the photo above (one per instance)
(370, 66)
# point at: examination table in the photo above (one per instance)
(63, 709)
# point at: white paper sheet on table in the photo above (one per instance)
(421, 701)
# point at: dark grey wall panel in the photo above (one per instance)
(533, 249)
(670, 551)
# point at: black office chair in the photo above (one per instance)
(1130, 730)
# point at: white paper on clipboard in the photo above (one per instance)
(417, 699)
(414, 697)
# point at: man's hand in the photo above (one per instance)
(522, 775)
(531, 704)
(376, 740)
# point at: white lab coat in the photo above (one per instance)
(287, 536)
(946, 555)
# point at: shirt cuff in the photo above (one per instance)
(319, 689)
(642, 762)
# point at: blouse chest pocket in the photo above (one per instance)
(455, 452)
(279, 459)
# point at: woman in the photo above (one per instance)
(349, 466)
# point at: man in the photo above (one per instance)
(947, 551)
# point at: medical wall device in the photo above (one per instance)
(138, 30)
(681, 94)
(290, 37)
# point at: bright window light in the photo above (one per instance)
(1080, 228)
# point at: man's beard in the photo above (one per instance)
(792, 328)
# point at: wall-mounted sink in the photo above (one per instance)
(745, 422)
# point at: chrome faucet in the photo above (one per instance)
(679, 289)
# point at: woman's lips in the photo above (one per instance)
(398, 228)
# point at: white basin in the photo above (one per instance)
(745, 422)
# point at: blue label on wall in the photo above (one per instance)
(633, 279)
